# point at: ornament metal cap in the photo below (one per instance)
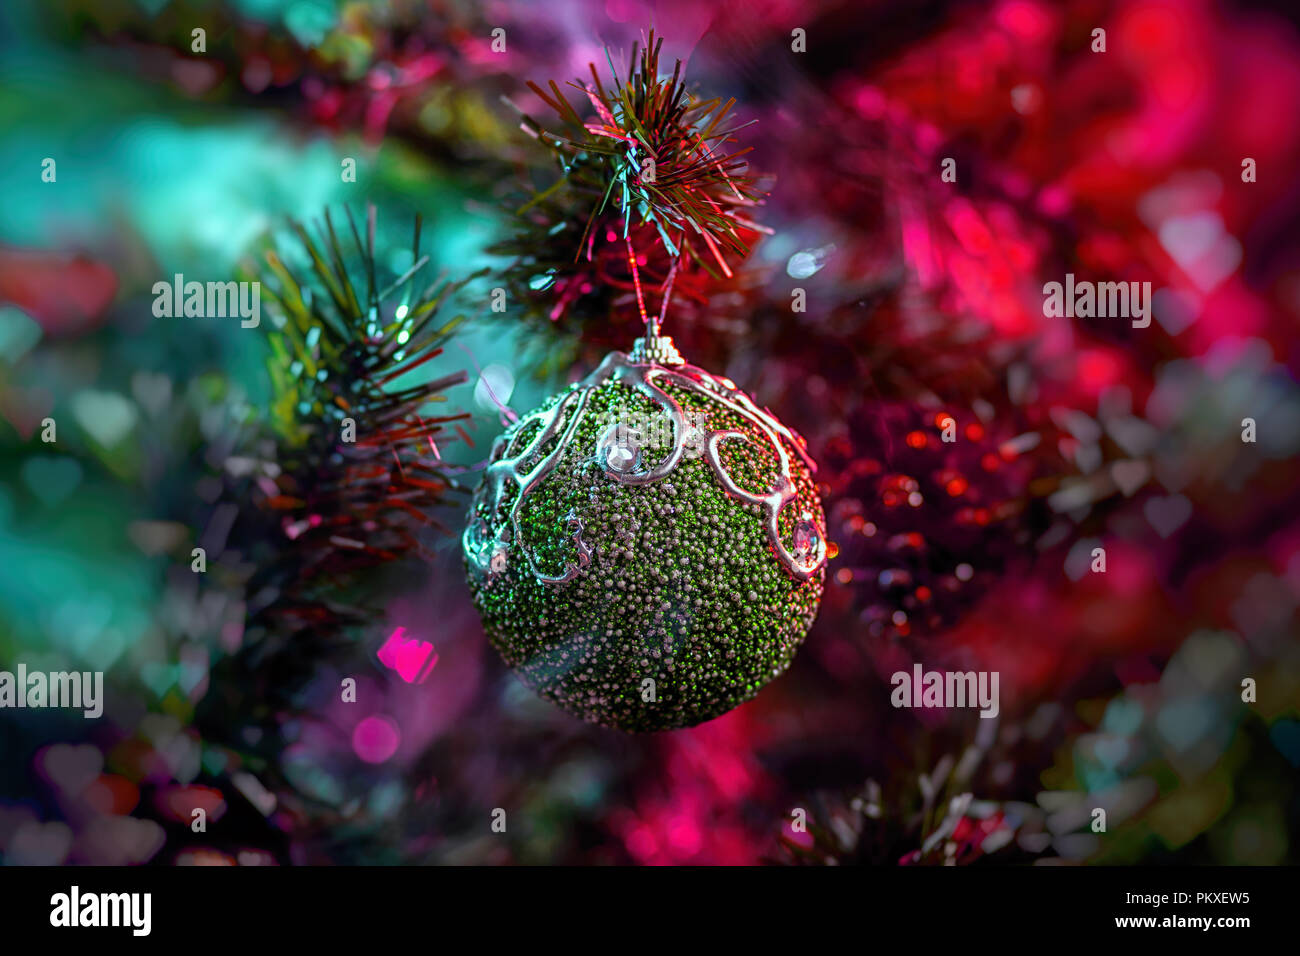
(656, 350)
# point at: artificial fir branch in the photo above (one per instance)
(928, 817)
(656, 151)
(644, 184)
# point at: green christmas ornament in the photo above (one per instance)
(647, 549)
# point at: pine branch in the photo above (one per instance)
(346, 474)
(359, 460)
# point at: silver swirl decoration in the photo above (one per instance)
(620, 453)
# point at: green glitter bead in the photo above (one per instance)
(614, 569)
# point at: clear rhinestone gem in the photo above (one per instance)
(620, 449)
(807, 539)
